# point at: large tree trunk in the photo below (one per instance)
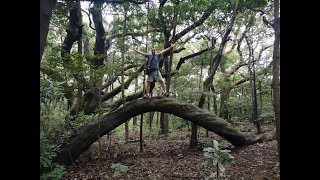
(99, 48)
(88, 133)
(74, 33)
(46, 7)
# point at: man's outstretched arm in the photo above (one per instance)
(167, 49)
(137, 51)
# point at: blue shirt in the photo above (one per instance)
(153, 63)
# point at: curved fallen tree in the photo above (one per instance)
(88, 134)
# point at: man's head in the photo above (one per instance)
(153, 50)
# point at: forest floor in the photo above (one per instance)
(169, 157)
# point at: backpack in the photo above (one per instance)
(148, 70)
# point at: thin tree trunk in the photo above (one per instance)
(135, 90)
(252, 73)
(80, 84)
(194, 137)
(216, 61)
(224, 96)
(162, 126)
(207, 132)
(276, 71)
(194, 127)
(122, 74)
(215, 106)
(255, 102)
(151, 115)
(157, 122)
(86, 44)
(260, 96)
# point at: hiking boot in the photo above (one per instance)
(146, 95)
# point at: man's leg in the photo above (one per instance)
(164, 88)
(160, 79)
(148, 85)
(147, 88)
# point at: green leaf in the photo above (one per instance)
(221, 167)
(124, 168)
(208, 155)
(225, 151)
(205, 163)
(113, 166)
(215, 144)
(116, 173)
(208, 149)
(214, 161)
(226, 161)
(212, 175)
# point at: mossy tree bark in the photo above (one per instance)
(88, 134)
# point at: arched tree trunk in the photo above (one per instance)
(88, 133)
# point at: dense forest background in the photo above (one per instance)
(226, 61)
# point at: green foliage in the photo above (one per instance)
(48, 152)
(52, 128)
(50, 91)
(51, 123)
(118, 169)
(60, 14)
(57, 173)
(218, 158)
(252, 4)
(120, 140)
(229, 59)
(268, 116)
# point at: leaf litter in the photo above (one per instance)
(170, 158)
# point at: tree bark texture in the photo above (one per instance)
(74, 31)
(46, 7)
(88, 134)
(276, 71)
(217, 59)
(99, 50)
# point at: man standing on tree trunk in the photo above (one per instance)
(153, 67)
